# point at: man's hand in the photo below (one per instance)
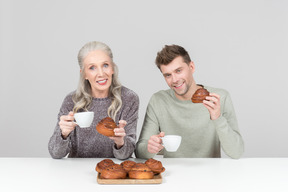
(155, 143)
(212, 103)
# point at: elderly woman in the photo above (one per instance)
(100, 91)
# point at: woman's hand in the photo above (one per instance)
(119, 134)
(212, 103)
(67, 124)
(155, 143)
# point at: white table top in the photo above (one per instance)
(182, 174)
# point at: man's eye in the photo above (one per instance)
(166, 76)
(106, 65)
(92, 68)
(178, 70)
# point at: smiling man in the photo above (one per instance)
(204, 127)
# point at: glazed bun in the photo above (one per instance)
(140, 171)
(114, 171)
(200, 95)
(103, 164)
(106, 127)
(127, 165)
(155, 166)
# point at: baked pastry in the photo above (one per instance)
(106, 127)
(140, 171)
(103, 164)
(127, 165)
(114, 171)
(155, 166)
(200, 95)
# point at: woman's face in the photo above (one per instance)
(98, 70)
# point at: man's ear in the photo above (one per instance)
(192, 66)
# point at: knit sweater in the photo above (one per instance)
(87, 142)
(201, 136)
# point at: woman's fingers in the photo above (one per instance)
(67, 124)
(119, 132)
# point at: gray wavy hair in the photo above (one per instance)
(83, 96)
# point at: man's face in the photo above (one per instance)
(178, 76)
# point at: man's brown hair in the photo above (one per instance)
(169, 53)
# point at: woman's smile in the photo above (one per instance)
(102, 82)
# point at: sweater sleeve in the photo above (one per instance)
(150, 127)
(228, 132)
(57, 146)
(130, 115)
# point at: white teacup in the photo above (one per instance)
(171, 142)
(84, 119)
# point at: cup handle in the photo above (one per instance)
(162, 141)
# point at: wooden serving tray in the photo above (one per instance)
(156, 180)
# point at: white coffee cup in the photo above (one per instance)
(84, 119)
(171, 142)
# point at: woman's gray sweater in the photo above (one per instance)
(87, 142)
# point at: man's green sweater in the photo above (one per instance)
(201, 136)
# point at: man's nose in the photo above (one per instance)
(174, 78)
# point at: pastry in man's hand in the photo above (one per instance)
(200, 95)
(106, 127)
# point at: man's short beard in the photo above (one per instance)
(181, 94)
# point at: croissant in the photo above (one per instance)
(155, 166)
(114, 171)
(140, 171)
(127, 165)
(103, 164)
(106, 127)
(199, 95)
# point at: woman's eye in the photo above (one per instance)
(106, 65)
(92, 68)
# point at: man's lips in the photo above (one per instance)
(178, 86)
(102, 82)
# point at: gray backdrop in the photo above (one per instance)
(237, 45)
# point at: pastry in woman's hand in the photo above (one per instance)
(106, 127)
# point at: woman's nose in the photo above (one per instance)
(100, 72)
